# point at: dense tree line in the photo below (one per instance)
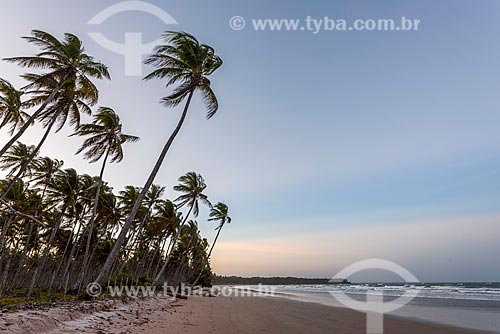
(61, 229)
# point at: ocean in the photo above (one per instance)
(468, 305)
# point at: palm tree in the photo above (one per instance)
(191, 185)
(189, 237)
(185, 61)
(67, 64)
(109, 217)
(16, 157)
(105, 138)
(218, 213)
(67, 104)
(43, 171)
(165, 222)
(11, 106)
(128, 196)
(20, 199)
(64, 92)
(153, 197)
(15, 197)
(64, 190)
(44, 168)
(29, 205)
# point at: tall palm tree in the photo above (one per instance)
(105, 138)
(218, 213)
(66, 62)
(183, 60)
(64, 92)
(11, 106)
(191, 185)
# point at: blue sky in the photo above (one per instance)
(329, 147)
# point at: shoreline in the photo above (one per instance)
(197, 315)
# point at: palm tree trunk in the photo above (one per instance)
(83, 270)
(25, 165)
(208, 257)
(148, 257)
(134, 239)
(40, 268)
(72, 268)
(128, 223)
(5, 227)
(3, 284)
(162, 270)
(22, 258)
(184, 257)
(161, 246)
(71, 253)
(32, 119)
(59, 266)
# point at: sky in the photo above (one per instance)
(329, 148)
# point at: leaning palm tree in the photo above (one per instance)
(11, 107)
(68, 104)
(66, 62)
(105, 138)
(183, 60)
(64, 92)
(16, 157)
(218, 213)
(191, 185)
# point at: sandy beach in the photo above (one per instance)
(197, 315)
(276, 315)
